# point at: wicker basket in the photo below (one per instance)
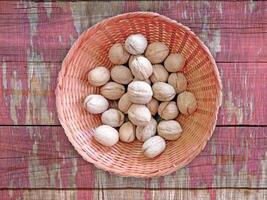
(90, 50)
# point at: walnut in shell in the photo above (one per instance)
(160, 74)
(169, 129)
(112, 90)
(145, 132)
(127, 132)
(112, 117)
(156, 52)
(136, 44)
(141, 67)
(174, 62)
(178, 81)
(139, 115)
(95, 103)
(187, 103)
(124, 103)
(98, 76)
(106, 135)
(168, 110)
(139, 92)
(163, 91)
(154, 146)
(118, 55)
(153, 105)
(121, 74)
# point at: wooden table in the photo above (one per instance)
(38, 162)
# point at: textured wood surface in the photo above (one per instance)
(35, 38)
(37, 161)
(222, 194)
(42, 157)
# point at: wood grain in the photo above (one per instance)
(220, 194)
(35, 38)
(35, 102)
(41, 157)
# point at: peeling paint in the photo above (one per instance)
(251, 6)
(16, 97)
(37, 109)
(37, 172)
(80, 10)
(263, 180)
(74, 169)
(234, 111)
(48, 8)
(33, 19)
(211, 38)
(48, 194)
(60, 38)
(184, 14)
(4, 79)
(219, 8)
(54, 173)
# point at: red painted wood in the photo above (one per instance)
(133, 194)
(246, 106)
(34, 42)
(41, 157)
(34, 39)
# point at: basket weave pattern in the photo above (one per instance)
(91, 49)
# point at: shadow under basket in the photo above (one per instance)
(91, 50)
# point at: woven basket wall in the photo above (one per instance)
(90, 50)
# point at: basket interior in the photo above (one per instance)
(91, 50)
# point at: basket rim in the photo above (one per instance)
(85, 36)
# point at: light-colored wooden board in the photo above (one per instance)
(42, 157)
(129, 194)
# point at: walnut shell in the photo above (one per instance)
(98, 76)
(163, 91)
(156, 52)
(139, 92)
(106, 135)
(127, 132)
(112, 117)
(112, 90)
(174, 62)
(168, 110)
(136, 44)
(153, 105)
(121, 74)
(169, 129)
(160, 74)
(145, 132)
(118, 55)
(95, 103)
(124, 103)
(186, 102)
(178, 81)
(154, 146)
(139, 115)
(141, 67)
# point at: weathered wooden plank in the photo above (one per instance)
(41, 157)
(130, 194)
(35, 37)
(31, 100)
(51, 28)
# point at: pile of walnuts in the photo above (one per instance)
(145, 80)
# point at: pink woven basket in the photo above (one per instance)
(90, 50)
